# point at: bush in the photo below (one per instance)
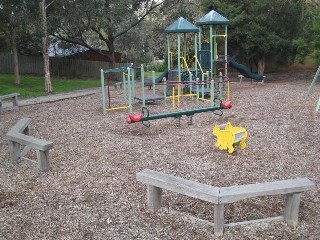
(157, 67)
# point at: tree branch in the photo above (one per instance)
(83, 44)
(139, 20)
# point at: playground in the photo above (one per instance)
(91, 192)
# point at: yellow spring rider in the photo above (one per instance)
(229, 136)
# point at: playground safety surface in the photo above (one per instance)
(92, 193)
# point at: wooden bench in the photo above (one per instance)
(18, 136)
(241, 77)
(13, 96)
(117, 84)
(292, 188)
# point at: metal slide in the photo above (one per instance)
(245, 71)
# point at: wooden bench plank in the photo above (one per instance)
(236, 193)
(21, 125)
(176, 184)
(40, 144)
(11, 95)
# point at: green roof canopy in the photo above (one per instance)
(213, 18)
(181, 25)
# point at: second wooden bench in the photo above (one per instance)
(292, 188)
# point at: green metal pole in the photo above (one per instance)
(124, 86)
(103, 92)
(179, 62)
(211, 51)
(212, 92)
(153, 83)
(129, 90)
(169, 57)
(185, 47)
(133, 84)
(215, 52)
(312, 83)
(318, 105)
(198, 93)
(226, 51)
(142, 85)
(200, 32)
(195, 54)
(179, 53)
(202, 87)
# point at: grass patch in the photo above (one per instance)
(149, 74)
(32, 86)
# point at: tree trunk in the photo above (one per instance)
(15, 58)
(261, 66)
(110, 43)
(45, 52)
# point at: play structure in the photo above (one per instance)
(311, 86)
(128, 85)
(229, 136)
(199, 72)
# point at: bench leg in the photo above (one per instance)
(26, 131)
(154, 197)
(218, 219)
(43, 160)
(15, 101)
(291, 209)
(14, 150)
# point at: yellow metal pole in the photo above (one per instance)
(173, 99)
(117, 108)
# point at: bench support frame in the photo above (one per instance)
(13, 96)
(20, 144)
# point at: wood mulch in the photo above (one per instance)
(92, 193)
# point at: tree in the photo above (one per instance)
(45, 46)
(261, 30)
(308, 42)
(169, 12)
(100, 23)
(11, 15)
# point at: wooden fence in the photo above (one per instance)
(59, 67)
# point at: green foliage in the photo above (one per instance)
(301, 48)
(157, 67)
(33, 86)
(169, 12)
(315, 42)
(308, 42)
(99, 24)
(260, 29)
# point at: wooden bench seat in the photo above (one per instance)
(13, 96)
(157, 181)
(18, 137)
(292, 188)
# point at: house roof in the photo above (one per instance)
(213, 18)
(181, 25)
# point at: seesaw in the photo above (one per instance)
(146, 117)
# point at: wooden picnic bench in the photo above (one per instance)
(18, 136)
(292, 188)
(13, 96)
